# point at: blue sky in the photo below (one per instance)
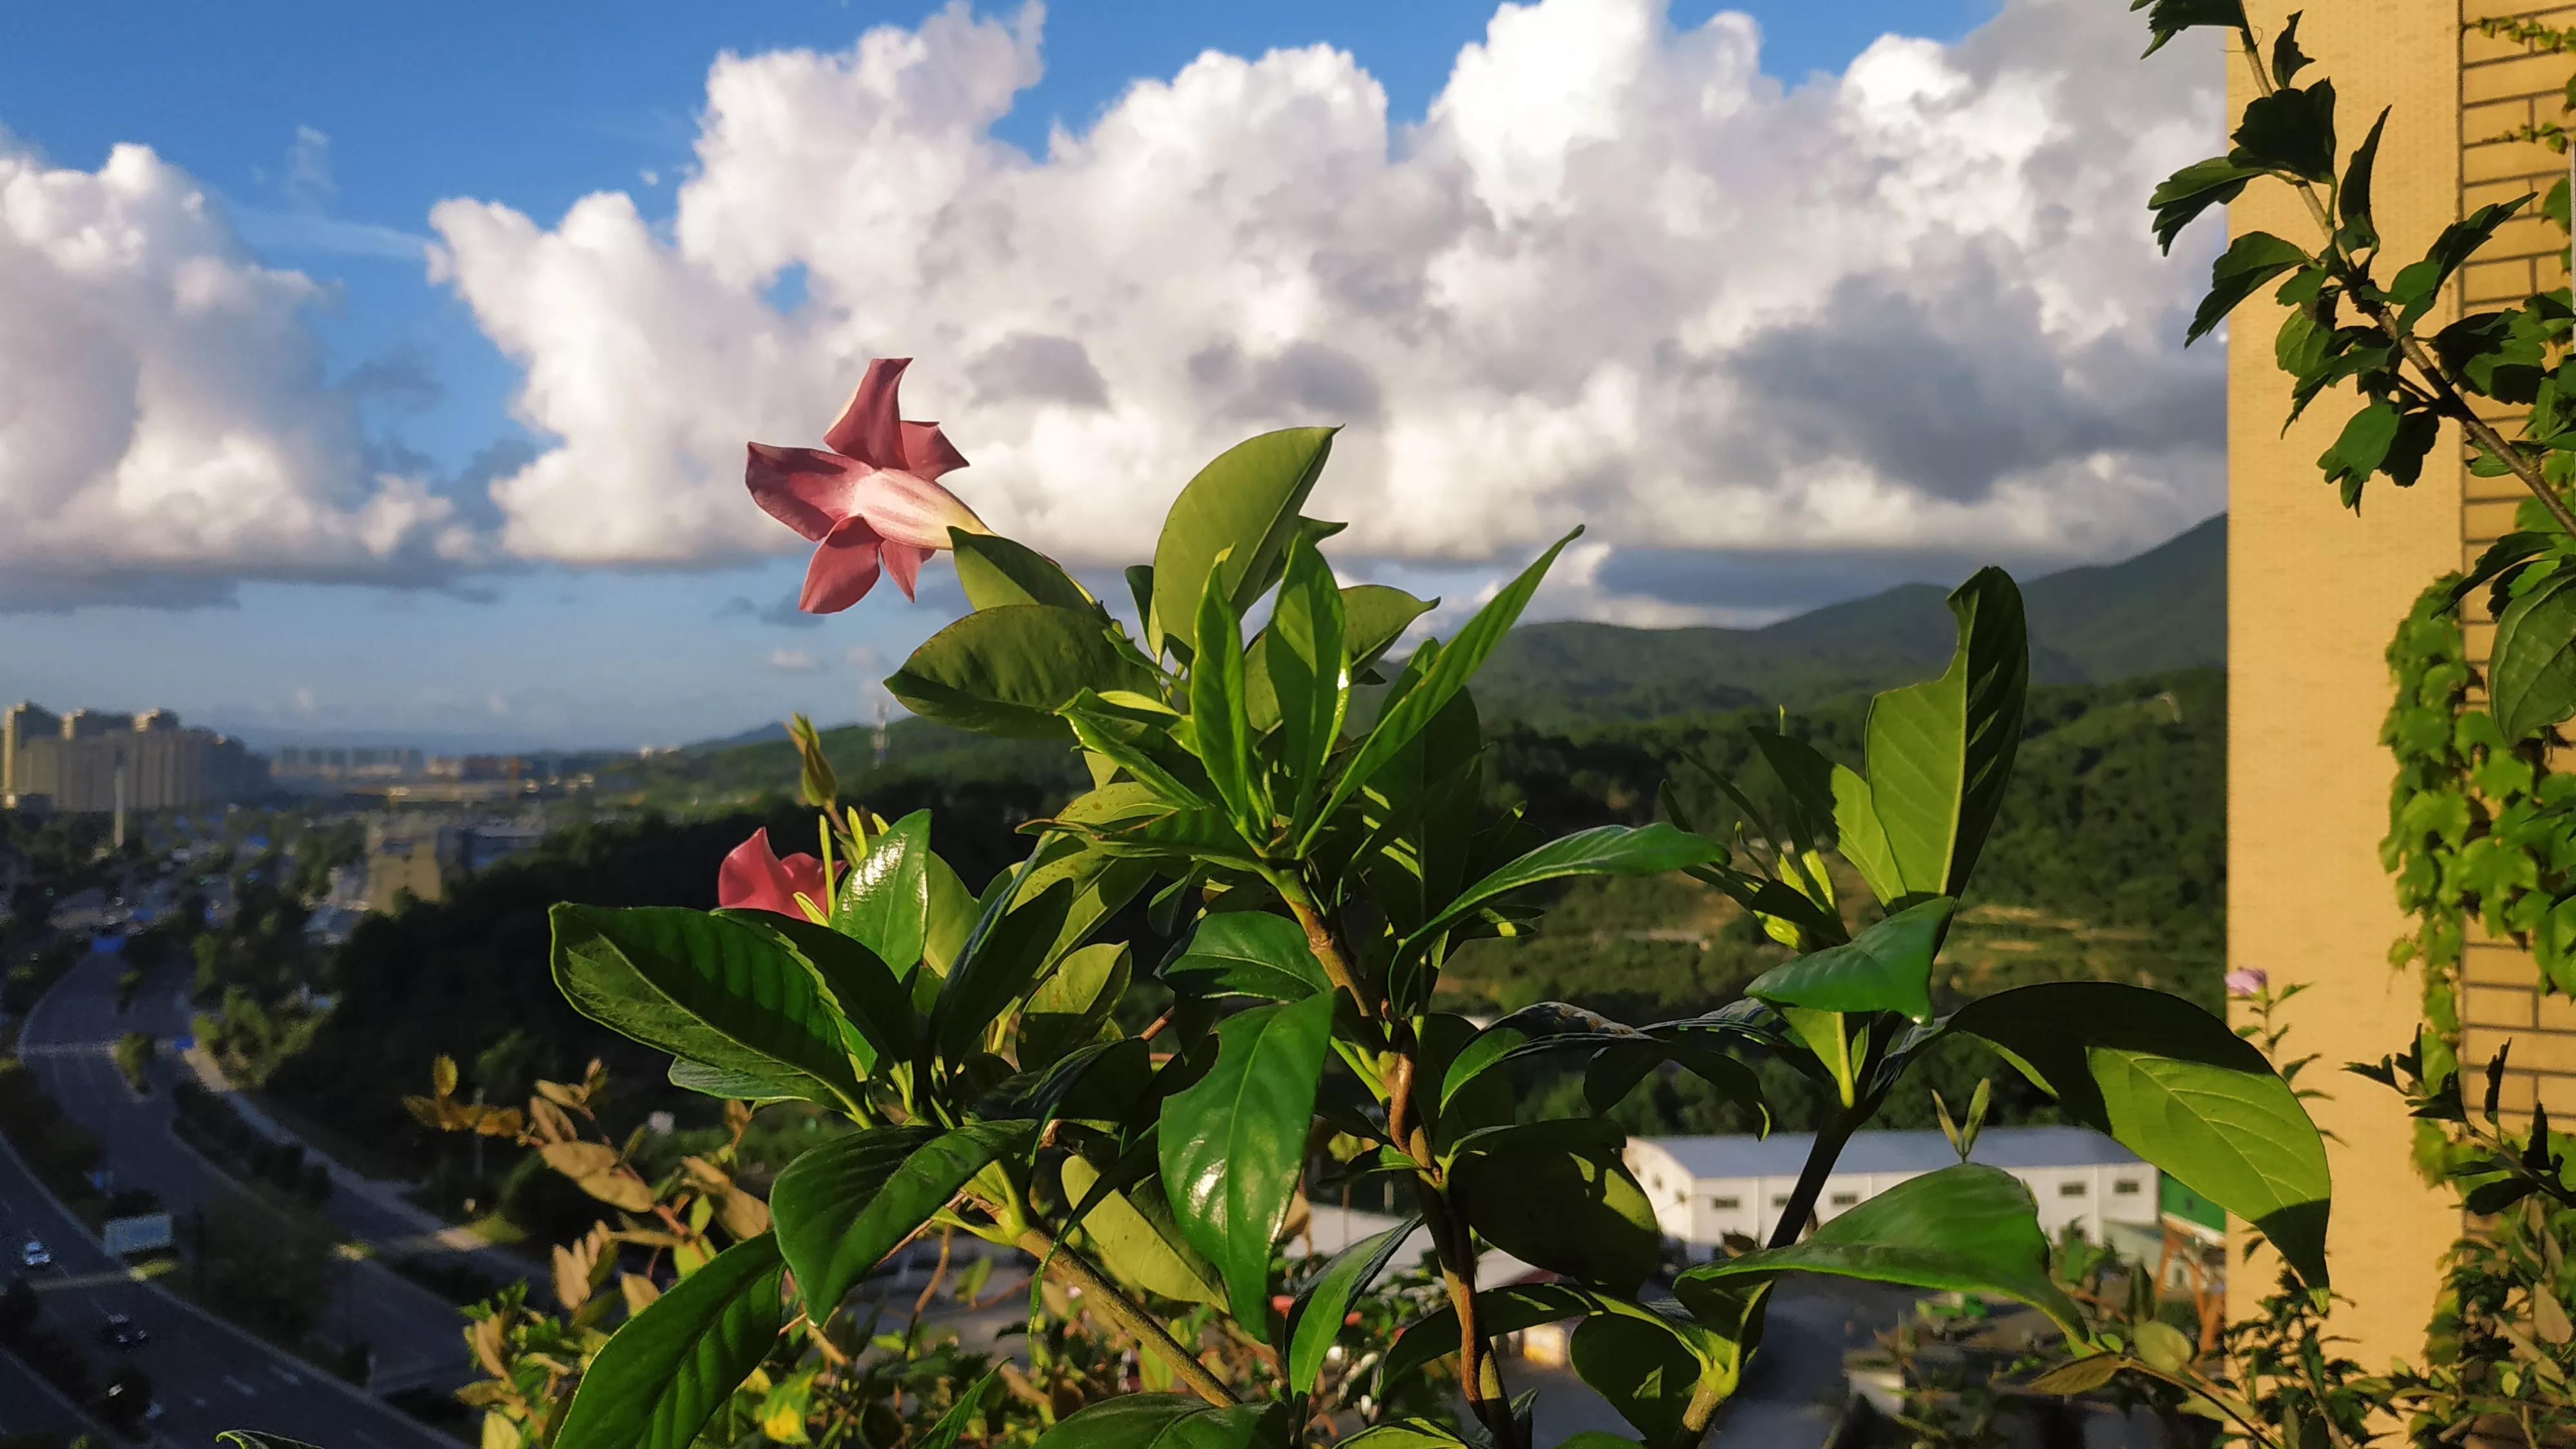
(327, 133)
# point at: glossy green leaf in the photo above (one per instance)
(1885, 968)
(1603, 850)
(1140, 736)
(1068, 1008)
(735, 1086)
(1968, 1229)
(1941, 752)
(1233, 1144)
(1555, 1195)
(1223, 734)
(2250, 261)
(1246, 953)
(1316, 1319)
(703, 987)
(1374, 616)
(969, 1406)
(1006, 671)
(1305, 665)
(884, 900)
(1242, 505)
(1406, 715)
(1719, 1342)
(1000, 963)
(1404, 1434)
(2532, 680)
(2174, 1085)
(948, 921)
(1133, 1231)
(254, 1439)
(2182, 197)
(2290, 129)
(998, 572)
(1159, 1421)
(666, 1371)
(842, 1207)
(873, 1007)
(1648, 1375)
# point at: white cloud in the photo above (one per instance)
(794, 661)
(1616, 275)
(165, 425)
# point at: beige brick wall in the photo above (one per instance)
(2314, 594)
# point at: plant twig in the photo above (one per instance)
(1118, 1308)
(1821, 1157)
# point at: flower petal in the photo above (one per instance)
(754, 878)
(869, 430)
(927, 453)
(907, 509)
(903, 563)
(808, 490)
(844, 568)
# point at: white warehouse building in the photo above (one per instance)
(1706, 1188)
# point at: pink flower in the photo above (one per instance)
(754, 878)
(873, 499)
(2247, 981)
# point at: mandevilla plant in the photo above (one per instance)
(1315, 857)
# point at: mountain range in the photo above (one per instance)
(2163, 609)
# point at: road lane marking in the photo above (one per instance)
(247, 1391)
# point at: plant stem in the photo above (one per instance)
(1811, 1179)
(1319, 939)
(1118, 1308)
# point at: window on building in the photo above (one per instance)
(2070, 1189)
(1845, 1199)
(2126, 1187)
(1726, 1204)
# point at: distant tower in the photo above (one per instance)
(879, 737)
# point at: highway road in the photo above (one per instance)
(207, 1375)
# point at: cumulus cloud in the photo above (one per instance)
(794, 661)
(166, 428)
(1615, 275)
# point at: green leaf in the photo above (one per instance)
(1861, 839)
(2183, 196)
(2078, 1376)
(1244, 506)
(873, 1007)
(1886, 968)
(1159, 1421)
(1247, 953)
(2168, 18)
(1305, 665)
(2249, 261)
(2292, 129)
(2360, 229)
(1967, 1229)
(1133, 1230)
(999, 963)
(1233, 1143)
(1137, 735)
(1629, 850)
(1068, 1008)
(735, 1086)
(884, 902)
(254, 1439)
(1555, 1195)
(1404, 1434)
(1406, 716)
(2532, 681)
(843, 1206)
(2287, 59)
(2174, 1085)
(1647, 1373)
(998, 572)
(666, 1371)
(1316, 1319)
(1375, 616)
(1006, 671)
(1224, 746)
(706, 988)
(1941, 752)
(2418, 284)
(968, 1406)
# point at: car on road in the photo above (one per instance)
(35, 1255)
(120, 1331)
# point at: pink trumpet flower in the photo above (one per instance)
(754, 878)
(869, 498)
(2247, 981)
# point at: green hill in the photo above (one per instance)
(2162, 610)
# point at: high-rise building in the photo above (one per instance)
(90, 760)
(2315, 593)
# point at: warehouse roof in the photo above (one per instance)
(1782, 1154)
